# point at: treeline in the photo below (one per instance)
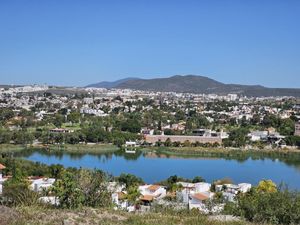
(89, 134)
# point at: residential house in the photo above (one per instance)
(151, 192)
(230, 191)
(258, 135)
(41, 184)
(197, 200)
(189, 189)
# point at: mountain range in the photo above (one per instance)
(196, 84)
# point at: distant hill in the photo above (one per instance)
(113, 84)
(199, 84)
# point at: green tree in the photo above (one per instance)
(68, 192)
(16, 190)
(266, 186)
(129, 180)
(133, 194)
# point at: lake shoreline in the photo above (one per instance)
(105, 147)
(66, 148)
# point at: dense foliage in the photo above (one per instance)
(265, 204)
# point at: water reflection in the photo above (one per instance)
(154, 166)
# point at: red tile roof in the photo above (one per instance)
(153, 187)
(147, 198)
(200, 196)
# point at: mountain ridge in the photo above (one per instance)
(110, 84)
(200, 85)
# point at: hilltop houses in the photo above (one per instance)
(37, 184)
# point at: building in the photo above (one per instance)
(258, 135)
(60, 130)
(297, 129)
(41, 184)
(151, 192)
(152, 139)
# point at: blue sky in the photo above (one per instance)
(72, 42)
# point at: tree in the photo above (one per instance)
(58, 120)
(133, 194)
(237, 137)
(266, 186)
(129, 180)
(74, 117)
(5, 136)
(287, 127)
(198, 179)
(168, 142)
(293, 140)
(94, 187)
(67, 191)
(16, 189)
(280, 207)
(23, 137)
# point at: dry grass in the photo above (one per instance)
(88, 216)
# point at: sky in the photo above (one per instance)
(78, 42)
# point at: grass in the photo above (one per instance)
(10, 148)
(90, 216)
(289, 157)
(66, 148)
(84, 148)
(211, 151)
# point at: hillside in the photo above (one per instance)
(107, 84)
(89, 216)
(200, 84)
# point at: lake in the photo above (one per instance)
(152, 167)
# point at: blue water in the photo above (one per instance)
(156, 169)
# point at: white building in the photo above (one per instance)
(152, 192)
(258, 135)
(41, 184)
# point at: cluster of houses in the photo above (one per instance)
(269, 136)
(102, 102)
(188, 195)
(37, 184)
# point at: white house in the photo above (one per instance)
(191, 189)
(52, 200)
(258, 135)
(131, 144)
(244, 187)
(151, 192)
(202, 187)
(197, 201)
(231, 190)
(118, 195)
(40, 184)
(119, 199)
